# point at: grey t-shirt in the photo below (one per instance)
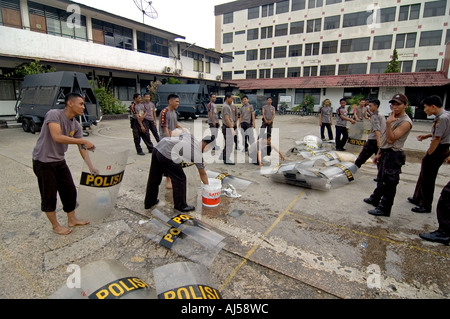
(269, 110)
(441, 127)
(246, 113)
(326, 114)
(149, 107)
(138, 109)
(168, 119)
(228, 110)
(182, 148)
(213, 109)
(398, 144)
(46, 149)
(378, 122)
(341, 111)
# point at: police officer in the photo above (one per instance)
(228, 124)
(435, 156)
(150, 116)
(138, 126)
(390, 157)
(268, 115)
(247, 122)
(213, 119)
(167, 159)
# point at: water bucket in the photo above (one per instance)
(211, 192)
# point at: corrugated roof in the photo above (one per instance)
(414, 79)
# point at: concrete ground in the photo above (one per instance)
(282, 241)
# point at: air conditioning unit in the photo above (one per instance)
(167, 69)
(219, 77)
(201, 76)
(178, 71)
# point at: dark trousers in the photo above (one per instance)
(424, 191)
(443, 209)
(389, 170)
(161, 165)
(138, 134)
(264, 125)
(329, 131)
(370, 148)
(247, 134)
(54, 178)
(214, 132)
(152, 127)
(228, 143)
(341, 137)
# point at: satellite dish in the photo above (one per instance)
(146, 8)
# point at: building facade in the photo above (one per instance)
(277, 39)
(124, 53)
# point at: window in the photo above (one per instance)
(227, 75)
(301, 93)
(297, 27)
(239, 32)
(266, 32)
(279, 73)
(332, 22)
(405, 40)
(265, 54)
(54, 21)
(282, 7)
(333, 1)
(355, 45)
(429, 38)
(250, 74)
(198, 62)
(281, 30)
(8, 89)
(329, 47)
(315, 4)
(378, 67)
(327, 70)
(279, 52)
(312, 49)
(252, 55)
(10, 13)
(295, 50)
(238, 72)
(434, 8)
(405, 66)
(314, 25)
(264, 74)
(253, 34)
(426, 65)
(113, 35)
(228, 18)
(298, 5)
(267, 10)
(239, 53)
(226, 59)
(293, 72)
(387, 14)
(310, 71)
(356, 19)
(447, 36)
(228, 37)
(382, 42)
(253, 13)
(357, 68)
(151, 44)
(410, 12)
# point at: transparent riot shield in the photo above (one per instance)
(236, 182)
(184, 280)
(106, 279)
(358, 132)
(97, 193)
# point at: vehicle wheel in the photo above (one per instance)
(220, 115)
(194, 117)
(26, 125)
(34, 127)
(201, 109)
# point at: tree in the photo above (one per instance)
(393, 66)
(34, 67)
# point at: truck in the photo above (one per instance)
(40, 93)
(194, 99)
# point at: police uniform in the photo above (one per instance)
(212, 110)
(247, 125)
(167, 159)
(341, 129)
(378, 122)
(226, 131)
(389, 168)
(139, 109)
(424, 191)
(149, 121)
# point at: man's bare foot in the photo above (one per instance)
(60, 230)
(77, 222)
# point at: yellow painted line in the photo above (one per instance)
(372, 236)
(252, 250)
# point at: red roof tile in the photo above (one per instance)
(414, 79)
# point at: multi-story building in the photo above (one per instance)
(295, 40)
(74, 37)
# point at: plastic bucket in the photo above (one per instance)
(211, 192)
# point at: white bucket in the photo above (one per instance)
(211, 192)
